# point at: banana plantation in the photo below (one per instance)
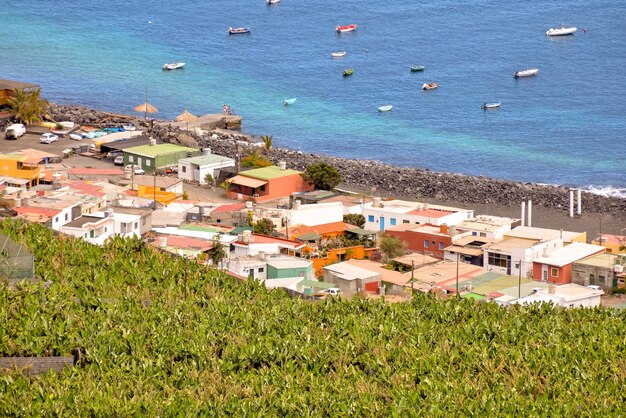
(160, 336)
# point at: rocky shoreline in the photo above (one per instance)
(371, 176)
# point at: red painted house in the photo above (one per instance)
(556, 267)
(267, 183)
(424, 239)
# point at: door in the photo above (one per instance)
(382, 224)
(371, 287)
(139, 161)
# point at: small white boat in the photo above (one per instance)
(288, 102)
(346, 28)
(526, 73)
(129, 127)
(494, 105)
(76, 137)
(270, 2)
(430, 86)
(173, 66)
(562, 31)
(386, 108)
(338, 54)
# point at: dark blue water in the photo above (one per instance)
(565, 126)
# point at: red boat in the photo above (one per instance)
(347, 28)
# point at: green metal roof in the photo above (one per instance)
(207, 159)
(155, 150)
(474, 296)
(311, 236)
(240, 230)
(199, 228)
(361, 231)
(268, 173)
(315, 283)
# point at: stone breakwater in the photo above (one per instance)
(371, 176)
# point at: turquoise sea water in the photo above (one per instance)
(565, 126)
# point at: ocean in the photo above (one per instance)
(565, 126)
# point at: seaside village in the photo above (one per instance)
(271, 224)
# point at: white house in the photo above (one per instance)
(255, 244)
(196, 168)
(352, 279)
(93, 229)
(69, 207)
(491, 227)
(379, 214)
(315, 214)
(126, 224)
(566, 296)
(512, 254)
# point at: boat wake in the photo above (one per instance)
(607, 191)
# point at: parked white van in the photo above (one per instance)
(14, 131)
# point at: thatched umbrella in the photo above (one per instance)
(186, 116)
(146, 107)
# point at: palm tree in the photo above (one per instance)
(267, 143)
(28, 106)
(217, 253)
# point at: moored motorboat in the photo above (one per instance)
(288, 102)
(348, 72)
(526, 73)
(338, 54)
(76, 137)
(385, 108)
(173, 66)
(493, 105)
(429, 86)
(417, 68)
(272, 1)
(562, 31)
(237, 31)
(346, 28)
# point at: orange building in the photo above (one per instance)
(614, 244)
(338, 255)
(266, 183)
(424, 239)
(21, 167)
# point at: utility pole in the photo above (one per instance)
(154, 205)
(412, 275)
(458, 295)
(519, 288)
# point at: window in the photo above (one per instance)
(499, 260)
(262, 188)
(592, 279)
(56, 219)
(261, 269)
(130, 158)
(392, 221)
(85, 235)
(474, 234)
(91, 233)
(370, 218)
(147, 163)
(483, 234)
(602, 279)
(405, 221)
(136, 225)
(441, 245)
(105, 229)
(184, 169)
(425, 243)
(554, 272)
(66, 216)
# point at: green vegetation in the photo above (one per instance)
(354, 219)
(229, 348)
(255, 159)
(28, 105)
(209, 180)
(323, 176)
(391, 247)
(264, 226)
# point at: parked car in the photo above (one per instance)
(119, 160)
(594, 287)
(135, 169)
(14, 131)
(333, 291)
(48, 138)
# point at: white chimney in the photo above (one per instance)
(152, 142)
(162, 242)
(523, 212)
(530, 213)
(376, 202)
(580, 209)
(571, 203)
(282, 165)
(206, 151)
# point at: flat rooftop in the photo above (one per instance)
(486, 223)
(542, 234)
(602, 260)
(158, 149)
(569, 254)
(268, 173)
(207, 159)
